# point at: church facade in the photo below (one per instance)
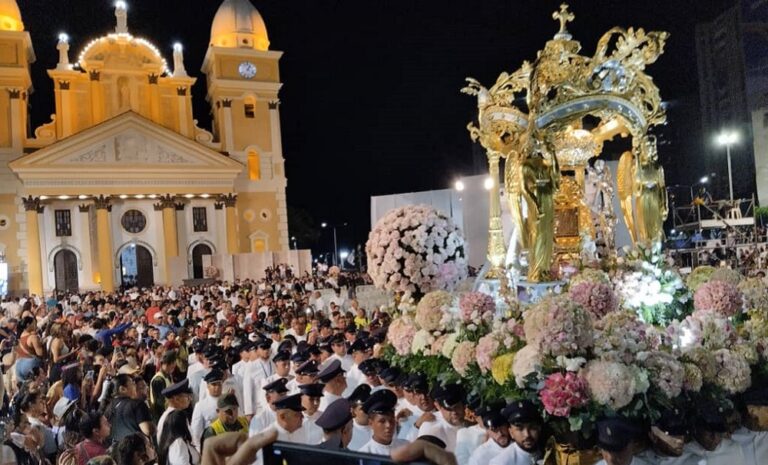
(122, 185)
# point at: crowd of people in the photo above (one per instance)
(211, 374)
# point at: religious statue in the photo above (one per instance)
(625, 178)
(601, 204)
(541, 178)
(650, 191)
(513, 188)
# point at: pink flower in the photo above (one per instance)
(720, 297)
(462, 357)
(561, 393)
(487, 347)
(597, 297)
(556, 325)
(401, 333)
(610, 383)
(476, 305)
(431, 309)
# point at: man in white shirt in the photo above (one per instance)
(498, 439)
(178, 396)
(617, 438)
(335, 383)
(449, 400)
(339, 347)
(416, 411)
(525, 430)
(360, 352)
(205, 411)
(311, 394)
(470, 438)
(667, 436)
(336, 423)
(289, 422)
(275, 391)
(711, 443)
(380, 408)
(361, 431)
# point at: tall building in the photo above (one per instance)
(732, 53)
(122, 182)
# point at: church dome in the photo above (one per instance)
(10, 16)
(238, 24)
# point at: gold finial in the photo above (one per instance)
(565, 17)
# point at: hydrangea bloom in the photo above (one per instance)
(619, 336)
(726, 274)
(561, 393)
(666, 372)
(718, 296)
(462, 357)
(693, 379)
(475, 307)
(705, 329)
(502, 367)
(432, 309)
(487, 347)
(597, 297)
(527, 361)
(610, 383)
(400, 334)
(416, 249)
(422, 341)
(558, 326)
(733, 372)
(755, 294)
(699, 276)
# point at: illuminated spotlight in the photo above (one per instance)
(488, 184)
(123, 196)
(459, 185)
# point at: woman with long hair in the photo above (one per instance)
(132, 450)
(59, 349)
(29, 351)
(175, 446)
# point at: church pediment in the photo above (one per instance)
(126, 152)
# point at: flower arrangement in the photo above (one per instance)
(732, 371)
(433, 310)
(557, 325)
(755, 294)
(619, 336)
(666, 372)
(611, 384)
(211, 272)
(726, 274)
(597, 297)
(721, 297)
(476, 307)
(401, 334)
(563, 392)
(416, 249)
(699, 275)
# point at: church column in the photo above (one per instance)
(154, 98)
(85, 228)
(104, 238)
(97, 97)
(230, 202)
(181, 101)
(66, 107)
(34, 261)
(16, 119)
(170, 238)
(229, 144)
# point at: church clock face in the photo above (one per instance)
(247, 70)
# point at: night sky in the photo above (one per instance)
(371, 102)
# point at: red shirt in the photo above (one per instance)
(87, 450)
(151, 312)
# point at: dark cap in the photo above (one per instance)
(277, 385)
(282, 356)
(358, 346)
(474, 403)
(755, 396)
(285, 345)
(338, 339)
(325, 347)
(289, 403)
(213, 376)
(182, 387)
(369, 367)
(673, 422)
(299, 357)
(615, 434)
(418, 383)
(712, 419)
(335, 416)
(265, 344)
(390, 374)
(361, 393)
(168, 357)
(382, 401)
(307, 368)
(494, 420)
(432, 440)
(331, 371)
(521, 411)
(311, 390)
(226, 401)
(449, 395)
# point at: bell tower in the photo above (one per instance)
(243, 79)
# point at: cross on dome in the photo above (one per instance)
(121, 13)
(565, 17)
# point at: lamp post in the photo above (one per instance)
(728, 138)
(335, 241)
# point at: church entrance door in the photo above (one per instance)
(65, 271)
(136, 267)
(197, 260)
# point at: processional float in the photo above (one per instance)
(546, 121)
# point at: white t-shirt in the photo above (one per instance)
(182, 453)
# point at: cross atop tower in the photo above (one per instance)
(565, 17)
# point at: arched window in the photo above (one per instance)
(254, 166)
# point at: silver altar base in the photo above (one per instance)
(528, 292)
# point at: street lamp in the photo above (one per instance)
(335, 242)
(728, 138)
(293, 240)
